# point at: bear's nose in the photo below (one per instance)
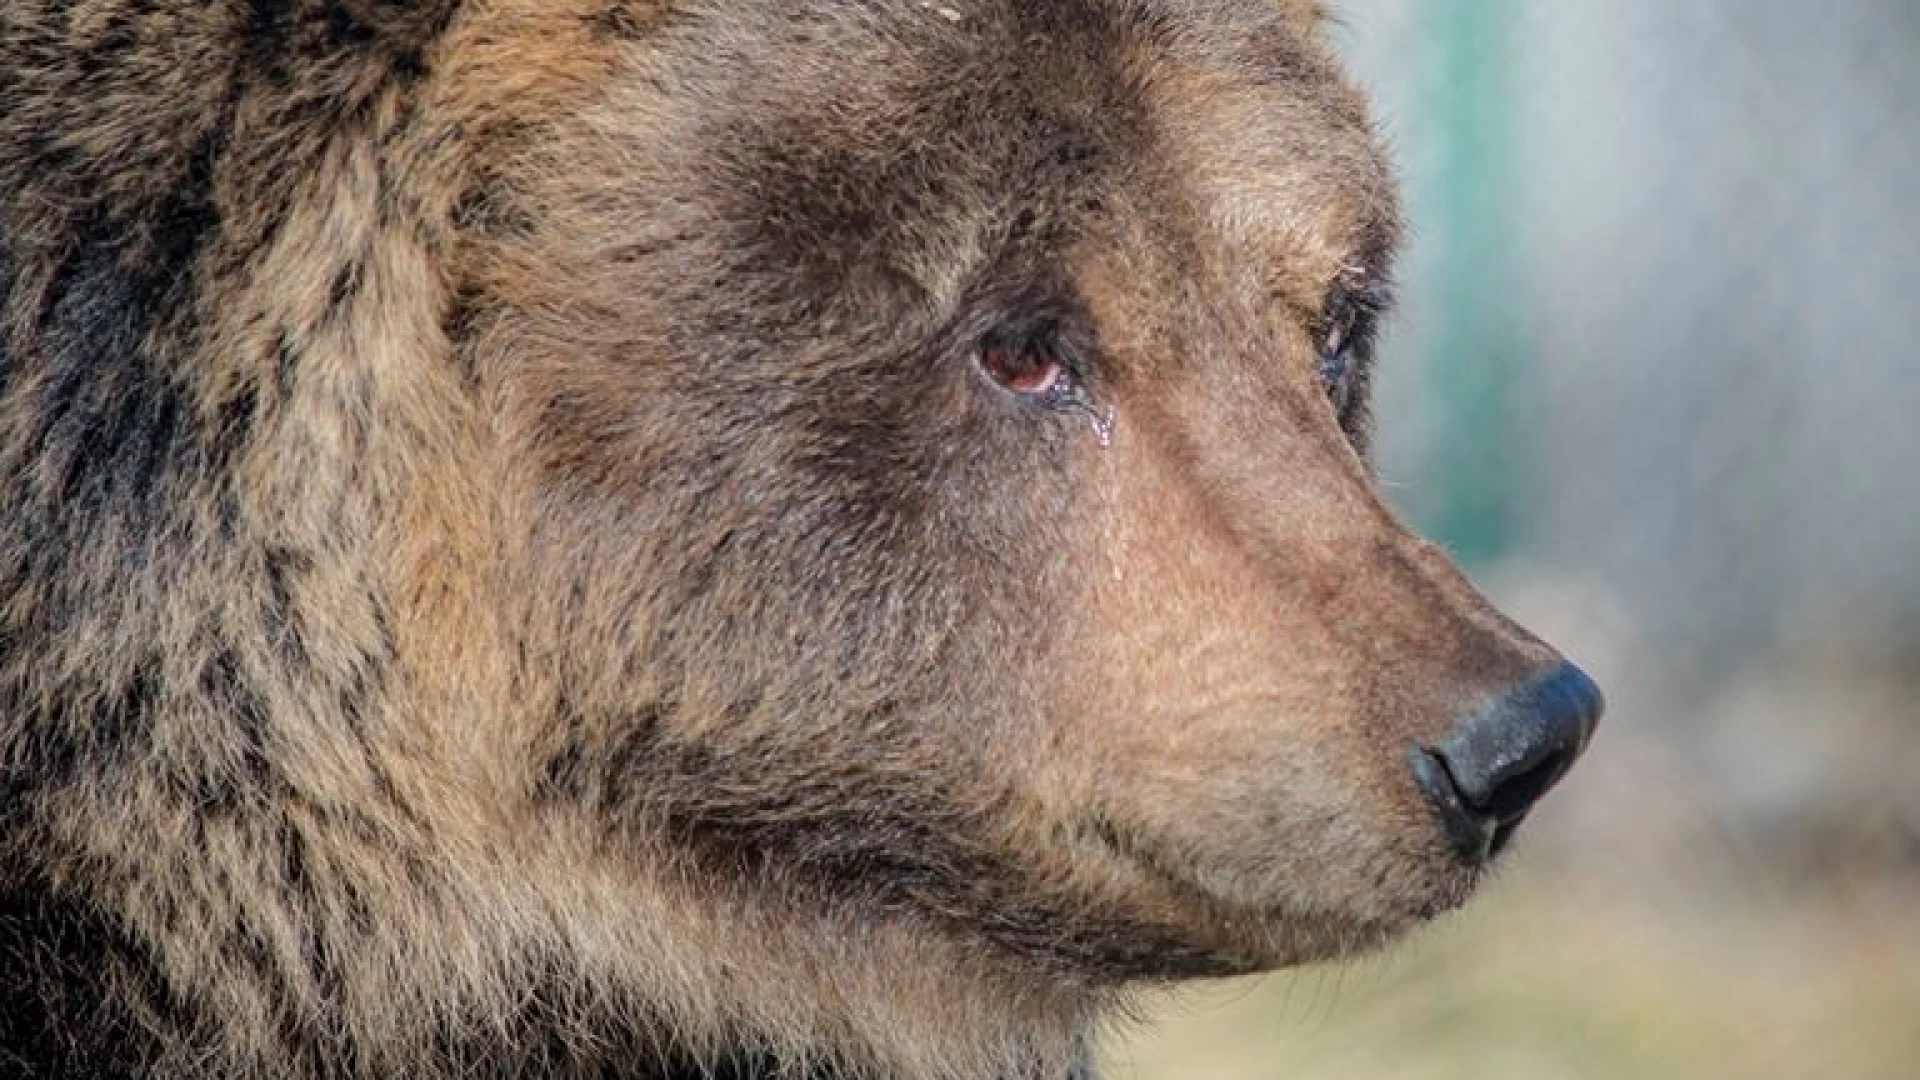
(1495, 766)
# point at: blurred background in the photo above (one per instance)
(1656, 382)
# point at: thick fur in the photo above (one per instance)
(511, 565)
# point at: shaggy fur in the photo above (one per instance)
(515, 562)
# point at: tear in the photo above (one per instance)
(1103, 423)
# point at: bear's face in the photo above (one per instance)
(940, 429)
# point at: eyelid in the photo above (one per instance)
(1353, 303)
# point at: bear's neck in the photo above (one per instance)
(80, 999)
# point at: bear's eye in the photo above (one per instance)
(1336, 366)
(1341, 333)
(1026, 363)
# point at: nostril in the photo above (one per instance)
(1485, 777)
(1516, 795)
(1470, 832)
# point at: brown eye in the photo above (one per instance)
(1022, 368)
(1025, 359)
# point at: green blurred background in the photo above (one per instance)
(1656, 381)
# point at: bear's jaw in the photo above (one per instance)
(827, 991)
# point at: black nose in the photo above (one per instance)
(1496, 765)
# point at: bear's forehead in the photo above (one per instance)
(941, 70)
(926, 131)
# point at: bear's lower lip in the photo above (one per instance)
(1251, 938)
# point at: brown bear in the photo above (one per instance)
(704, 538)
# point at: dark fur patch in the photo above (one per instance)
(102, 451)
(71, 982)
(632, 20)
(78, 733)
(109, 405)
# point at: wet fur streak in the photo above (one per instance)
(511, 568)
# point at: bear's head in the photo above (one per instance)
(940, 435)
(732, 526)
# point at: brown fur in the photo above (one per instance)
(510, 565)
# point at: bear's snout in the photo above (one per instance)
(1484, 777)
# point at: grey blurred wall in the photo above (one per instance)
(1661, 309)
